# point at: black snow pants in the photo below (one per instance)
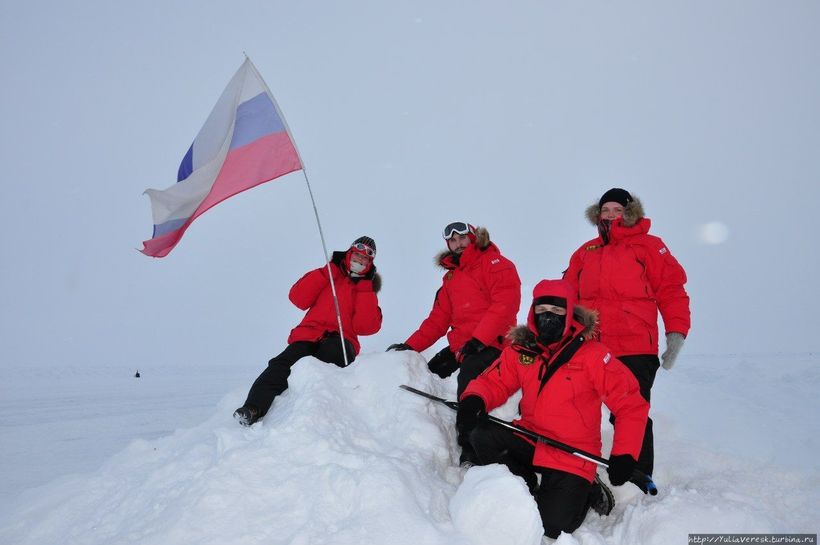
(644, 367)
(274, 379)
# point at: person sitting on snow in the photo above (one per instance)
(357, 283)
(475, 307)
(564, 375)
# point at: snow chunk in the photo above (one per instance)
(493, 506)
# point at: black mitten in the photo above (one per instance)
(471, 411)
(444, 363)
(473, 346)
(620, 468)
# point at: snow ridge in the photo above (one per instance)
(346, 457)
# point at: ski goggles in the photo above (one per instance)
(364, 249)
(456, 228)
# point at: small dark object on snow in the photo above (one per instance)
(137, 374)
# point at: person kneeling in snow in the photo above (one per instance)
(357, 283)
(564, 375)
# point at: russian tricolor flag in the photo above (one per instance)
(244, 143)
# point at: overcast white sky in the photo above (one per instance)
(512, 115)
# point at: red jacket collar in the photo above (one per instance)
(470, 255)
(619, 231)
(550, 351)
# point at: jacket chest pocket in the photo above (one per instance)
(568, 395)
(626, 274)
(467, 295)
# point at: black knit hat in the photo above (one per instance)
(616, 194)
(367, 241)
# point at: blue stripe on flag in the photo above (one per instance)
(167, 227)
(255, 118)
(186, 167)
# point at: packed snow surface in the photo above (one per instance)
(346, 457)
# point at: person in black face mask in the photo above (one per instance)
(564, 375)
(550, 320)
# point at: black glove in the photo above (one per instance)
(444, 363)
(620, 468)
(473, 346)
(398, 347)
(471, 412)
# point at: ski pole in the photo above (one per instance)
(637, 475)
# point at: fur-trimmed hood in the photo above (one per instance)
(522, 335)
(482, 242)
(338, 259)
(632, 212)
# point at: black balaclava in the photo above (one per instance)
(550, 327)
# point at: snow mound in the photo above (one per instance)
(343, 456)
(346, 457)
(477, 512)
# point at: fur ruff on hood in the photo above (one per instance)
(377, 282)
(338, 259)
(632, 212)
(521, 335)
(482, 241)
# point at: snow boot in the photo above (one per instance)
(601, 499)
(246, 415)
(468, 457)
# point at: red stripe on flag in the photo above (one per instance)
(261, 161)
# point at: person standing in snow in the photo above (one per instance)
(357, 283)
(628, 275)
(475, 307)
(564, 375)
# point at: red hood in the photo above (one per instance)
(553, 288)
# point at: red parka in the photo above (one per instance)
(568, 407)
(358, 304)
(479, 297)
(628, 280)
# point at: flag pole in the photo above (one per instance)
(315, 210)
(329, 270)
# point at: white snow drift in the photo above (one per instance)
(346, 457)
